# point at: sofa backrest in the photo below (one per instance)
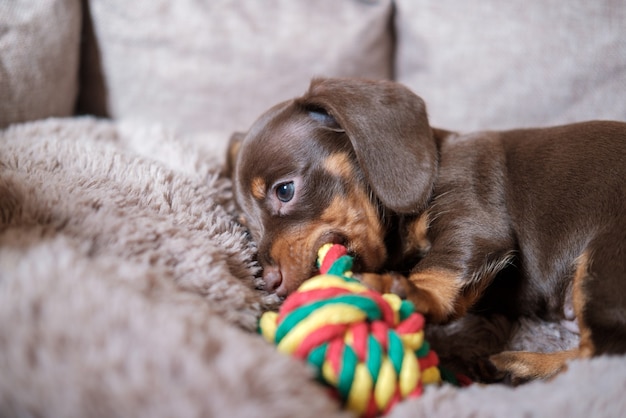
(39, 58)
(216, 65)
(516, 63)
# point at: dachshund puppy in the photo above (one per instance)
(521, 220)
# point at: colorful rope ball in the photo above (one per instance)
(368, 347)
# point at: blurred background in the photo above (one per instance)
(214, 65)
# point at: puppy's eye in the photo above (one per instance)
(285, 191)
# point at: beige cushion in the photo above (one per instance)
(39, 50)
(219, 64)
(498, 64)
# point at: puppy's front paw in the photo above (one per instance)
(386, 283)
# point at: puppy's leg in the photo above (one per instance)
(603, 291)
(436, 293)
(523, 366)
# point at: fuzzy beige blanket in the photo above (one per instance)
(126, 289)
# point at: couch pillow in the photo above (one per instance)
(39, 51)
(498, 64)
(197, 65)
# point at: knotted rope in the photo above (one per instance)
(369, 347)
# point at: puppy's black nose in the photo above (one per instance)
(273, 278)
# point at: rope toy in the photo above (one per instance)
(369, 348)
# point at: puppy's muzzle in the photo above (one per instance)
(273, 278)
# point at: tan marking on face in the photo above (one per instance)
(353, 216)
(579, 300)
(257, 187)
(339, 165)
(294, 253)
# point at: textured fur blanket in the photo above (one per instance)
(126, 289)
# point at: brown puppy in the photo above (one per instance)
(435, 216)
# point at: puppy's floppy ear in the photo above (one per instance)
(234, 145)
(389, 131)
